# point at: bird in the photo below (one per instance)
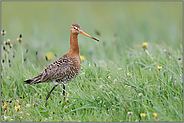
(64, 69)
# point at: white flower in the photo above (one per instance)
(83, 73)
(6, 117)
(27, 114)
(141, 95)
(115, 80)
(100, 86)
(128, 86)
(28, 105)
(129, 113)
(20, 112)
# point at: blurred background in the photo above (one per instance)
(45, 26)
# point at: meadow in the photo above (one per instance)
(134, 74)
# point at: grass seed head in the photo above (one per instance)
(3, 32)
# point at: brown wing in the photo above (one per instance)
(63, 68)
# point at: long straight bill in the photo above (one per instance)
(81, 32)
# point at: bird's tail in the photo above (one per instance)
(36, 79)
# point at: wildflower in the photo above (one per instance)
(5, 106)
(144, 45)
(27, 114)
(67, 98)
(109, 77)
(143, 115)
(17, 108)
(82, 58)
(6, 117)
(128, 74)
(3, 32)
(155, 115)
(115, 80)
(49, 55)
(83, 73)
(11, 119)
(141, 95)
(129, 113)
(20, 112)
(28, 105)
(159, 67)
(128, 87)
(100, 86)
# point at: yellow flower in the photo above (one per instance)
(159, 67)
(128, 74)
(50, 55)
(17, 108)
(5, 106)
(67, 95)
(144, 45)
(155, 115)
(143, 115)
(82, 58)
(180, 75)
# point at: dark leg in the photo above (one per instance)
(64, 91)
(49, 94)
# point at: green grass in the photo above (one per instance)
(102, 92)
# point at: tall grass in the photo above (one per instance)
(119, 80)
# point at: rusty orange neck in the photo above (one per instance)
(74, 46)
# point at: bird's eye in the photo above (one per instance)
(75, 27)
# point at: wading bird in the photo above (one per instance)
(64, 69)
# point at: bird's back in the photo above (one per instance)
(61, 71)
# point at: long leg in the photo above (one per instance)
(49, 94)
(64, 91)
